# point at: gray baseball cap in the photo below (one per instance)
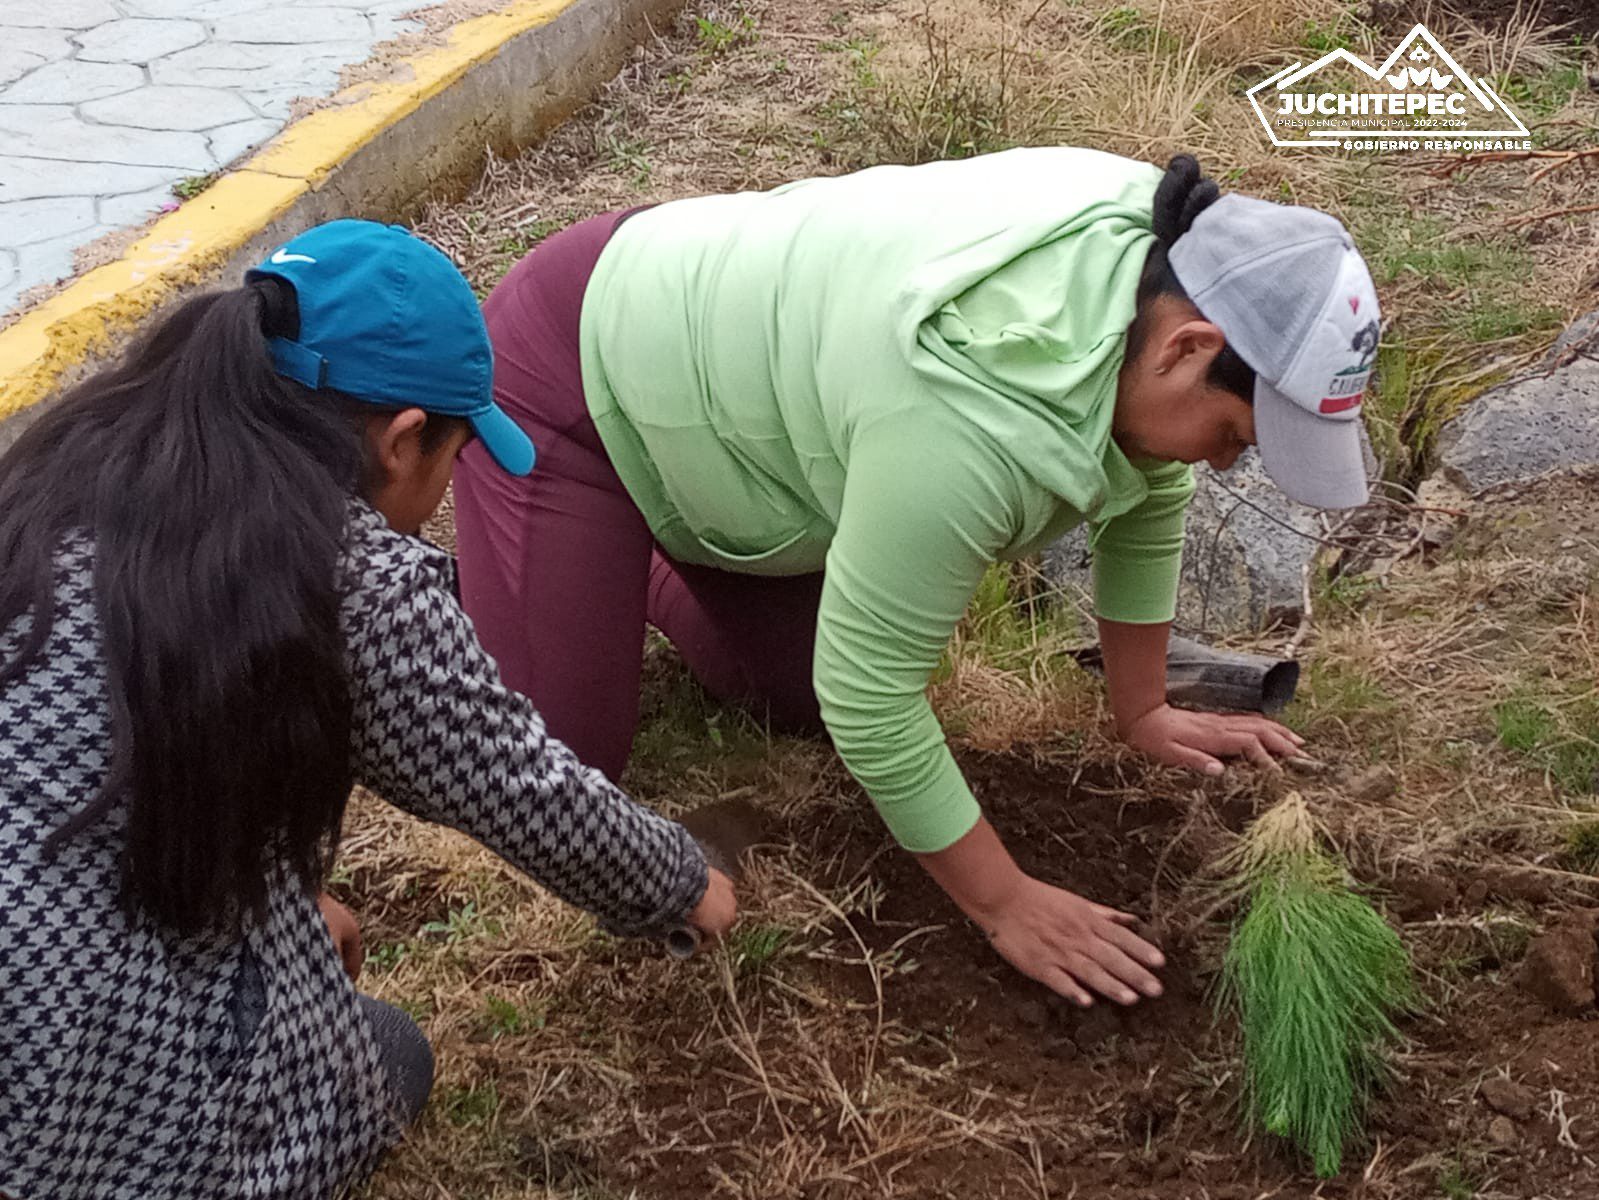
(1293, 297)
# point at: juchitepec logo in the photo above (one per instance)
(1420, 98)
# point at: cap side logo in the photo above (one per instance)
(280, 257)
(1348, 387)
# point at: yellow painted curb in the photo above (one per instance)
(183, 247)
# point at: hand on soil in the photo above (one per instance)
(1201, 740)
(345, 932)
(1073, 945)
(713, 915)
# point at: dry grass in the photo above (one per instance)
(787, 1064)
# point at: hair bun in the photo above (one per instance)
(1183, 194)
(280, 306)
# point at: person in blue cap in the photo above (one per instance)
(214, 620)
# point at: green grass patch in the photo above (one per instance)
(1337, 689)
(754, 948)
(1346, 595)
(1560, 739)
(507, 1018)
(717, 35)
(470, 1107)
(1017, 622)
(462, 924)
(630, 157)
(956, 102)
(1132, 29)
(1418, 391)
(1336, 33)
(1494, 319)
(1429, 364)
(1523, 725)
(862, 53)
(1430, 249)
(1581, 852)
(1456, 1181)
(1497, 939)
(1544, 92)
(191, 186)
(418, 1008)
(385, 956)
(682, 729)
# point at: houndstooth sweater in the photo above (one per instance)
(124, 1074)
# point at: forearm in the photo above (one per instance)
(977, 871)
(1135, 668)
(436, 733)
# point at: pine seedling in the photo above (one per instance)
(1317, 977)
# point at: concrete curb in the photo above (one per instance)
(377, 151)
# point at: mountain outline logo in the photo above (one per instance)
(1419, 91)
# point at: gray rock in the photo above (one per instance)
(1246, 546)
(1529, 427)
(1583, 333)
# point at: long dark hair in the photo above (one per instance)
(1184, 192)
(215, 493)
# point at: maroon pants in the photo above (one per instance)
(559, 571)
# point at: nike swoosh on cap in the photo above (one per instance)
(281, 256)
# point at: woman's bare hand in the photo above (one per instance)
(1072, 945)
(345, 932)
(1200, 740)
(713, 915)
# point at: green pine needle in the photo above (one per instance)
(1317, 976)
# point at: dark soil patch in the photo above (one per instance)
(1580, 16)
(1122, 1104)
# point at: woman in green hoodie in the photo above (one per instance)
(793, 429)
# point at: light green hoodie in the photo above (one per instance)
(899, 377)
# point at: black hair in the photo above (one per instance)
(215, 494)
(1183, 194)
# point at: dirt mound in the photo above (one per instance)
(1113, 1103)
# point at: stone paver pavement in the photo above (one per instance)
(106, 104)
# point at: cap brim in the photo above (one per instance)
(503, 439)
(1314, 460)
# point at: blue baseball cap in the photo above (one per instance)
(387, 318)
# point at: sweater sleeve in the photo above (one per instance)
(437, 734)
(921, 520)
(1138, 556)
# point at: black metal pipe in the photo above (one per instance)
(1199, 676)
